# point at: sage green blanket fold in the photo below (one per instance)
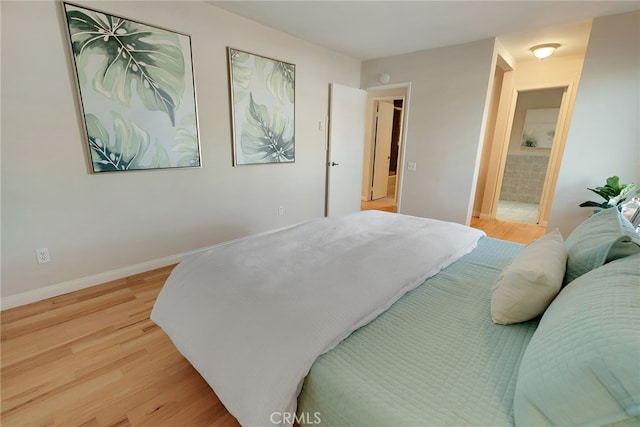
(434, 358)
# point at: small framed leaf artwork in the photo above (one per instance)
(262, 108)
(136, 91)
(539, 127)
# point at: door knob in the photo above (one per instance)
(334, 164)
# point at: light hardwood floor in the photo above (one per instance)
(380, 205)
(93, 358)
(386, 203)
(513, 231)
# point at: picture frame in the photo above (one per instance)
(262, 93)
(136, 91)
(539, 127)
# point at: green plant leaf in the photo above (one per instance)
(613, 182)
(603, 192)
(612, 192)
(622, 196)
(267, 139)
(241, 73)
(593, 204)
(280, 80)
(103, 158)
(126, 151)
(131, 56)
(528, 139)
(187, 142)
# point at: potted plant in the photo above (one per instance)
(612, 192)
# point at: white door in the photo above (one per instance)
(346, 149)
(382, 156)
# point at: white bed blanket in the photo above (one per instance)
(254, 314)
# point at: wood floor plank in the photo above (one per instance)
(65, 314)
(52, 401)
(28, 385)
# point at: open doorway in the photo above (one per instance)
(532, 136)
(512, 164)
(383, 148)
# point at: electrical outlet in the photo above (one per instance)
(42, 255)
(281, 210)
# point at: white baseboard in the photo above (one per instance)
(85, 282)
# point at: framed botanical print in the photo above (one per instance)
(136, 90)
(540, 127)
(262, 108)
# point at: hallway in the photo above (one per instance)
(386, 203)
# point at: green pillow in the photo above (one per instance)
(582, 365)
(603, 237)
(525, 288)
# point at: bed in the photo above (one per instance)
(376, 319)
(434, 358)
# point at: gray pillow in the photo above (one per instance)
(582, 365)
(604, 237)
(525, 288)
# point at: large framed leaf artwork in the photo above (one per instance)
(262, 108)
(137, 92)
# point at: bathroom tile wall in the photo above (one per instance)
(524, 177)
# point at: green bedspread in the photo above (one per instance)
(433, 359)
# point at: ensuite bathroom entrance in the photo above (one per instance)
(527, 125)
(532, 136)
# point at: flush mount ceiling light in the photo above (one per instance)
(542, 51)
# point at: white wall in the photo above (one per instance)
(604, 135)
(100, 223)
(449, 89)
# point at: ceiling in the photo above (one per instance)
(374, 29)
